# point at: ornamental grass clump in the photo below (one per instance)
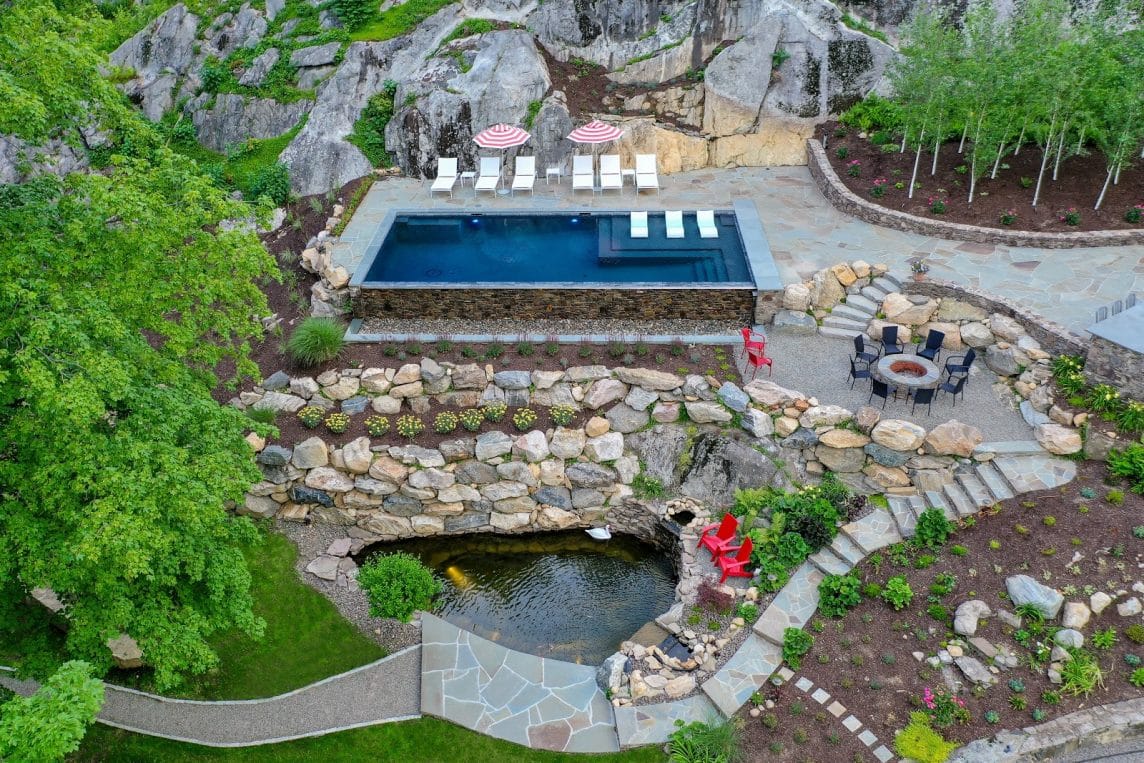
(311, 416)
(410, 426)
(337, 422)
(523, 419)
(471, 419)
(919, 742)
(397, 585)
(315, 341)
(377, 426)
(445, 422)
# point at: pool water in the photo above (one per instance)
(555, 248)
(560, 595)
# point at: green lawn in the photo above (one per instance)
(306, 638)
(398, 20)
(427, 740)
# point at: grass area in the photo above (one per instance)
(239, 166)
(306, 638)
(398, 20)
(427, 740)
(859, 24)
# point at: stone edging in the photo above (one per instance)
(1103, 723)
(847, 201)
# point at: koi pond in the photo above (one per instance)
(560, 595)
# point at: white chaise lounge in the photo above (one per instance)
(611, 179)
(639, 224)
(489, 178)
(647, 175)
(706, 220)
(674, 223)
(525, 176)
(446, 176)
(583, 174)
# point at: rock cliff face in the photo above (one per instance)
(771, 69)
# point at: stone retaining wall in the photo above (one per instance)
(847, 201)
(722, 304)
(1109, 363)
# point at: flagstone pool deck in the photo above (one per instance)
(806, 233)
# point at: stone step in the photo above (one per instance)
(975, 489)
(903, 515)
(886, 284)
(874, 293)
(846, 549)
(863, 303)
(835, 321)
(848, 334)
(918, 505)
(938, 501)
(1010, 448)
(897, 281)
(851, 313)
(959, 500)
(995, 481)
(825, 560)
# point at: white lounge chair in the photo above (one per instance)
(490, 175)
(446, 176)
(647, 175)
(674, 223)
(611, 179)
(706, 220)
(639, 224)
(525, 176)
(583, 174)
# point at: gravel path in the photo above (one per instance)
(818, 366)
(381, 692)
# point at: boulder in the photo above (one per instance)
(625, 419)
(1005, 360)
(357, 455)
(844, 273)
(867, 418)
(843, 438)
(1069, 637)
(159, 55)
(952, 333)
(1076, 615)
(590, 475)
(884, 456)
(703, 412)
(639, 398)
(596, 426)
(1005, 328)
(758, 423)
(310, 453)
(388, 469)
(665, 412)
(232, 118)
(610, 674)
(344, 388)
(606, 447)
(281, 402)
(512, 379)
(567, 443)
(796, 297)
(603, 392)
(898, 435)
(972, 668)
(125, 652)
(1099, 602)
(953, 439)
(720, 465)
(733, 397)
(967, 614)
(469, 376)
(329, 480)
(977, 335)
(1058, 439)
(796, 323)
(532, 446)
(660, 381)
(908, 310)
(261, 507)
(770, 395)
(492, 444)
(824, 415)
(957, 311)
(259, 68)
(274, 455)
(825, 291)
(432, 478)
(841, 460)
(1025, 590)
(1129, 607)
(886, 476)
(560, 497)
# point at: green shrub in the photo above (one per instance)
(838, 594)
(933, 529)
(494, 412)
(1115, 497)
(410, 426)
(919, 742)
(523, 419)
(445, 422)
(1104, 639)
(354, 13)
(647, 487)
(369, 130)
(1137, 678)
(1129, 463)
(471, 419)
(377, 426)
(716, 741)
(273, 181)
(397, 585)
(897, 593)
(562, 415)
(871, 113)
(337, 422)
(262, 415)
(1081, 675)
(747, 611)
(315, 341)
(1135, 633)
(311, 416)
(796, 643)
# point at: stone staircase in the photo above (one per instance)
(850, 318)
(1013, 468)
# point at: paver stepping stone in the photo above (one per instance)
(846, 549)
(836, 709)
(481, 685)
(851, 723)
(937, 500)
(825, 560)
(883, 754)
(804, 684)
(867, 737)
(904, 517)
(995, 481)
(794, 605)
(653, 724)
(960, 500)
(874, 531)
(1028, 473)
(744, 673)
(977, 491)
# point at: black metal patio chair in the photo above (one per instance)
(890, 343)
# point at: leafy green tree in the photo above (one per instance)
(121, 292)
(51, 723)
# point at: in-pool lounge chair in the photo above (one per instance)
(706, 220)
(639, 224)
(647, 176)
(525, 176)
(446, 176)
(489, 178)
(611, 179)
(674, 223)
(583, 174)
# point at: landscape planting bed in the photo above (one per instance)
(866, 659)
(1078, 185)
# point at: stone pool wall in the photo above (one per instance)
(730, 304)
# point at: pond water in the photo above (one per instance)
(560, 595)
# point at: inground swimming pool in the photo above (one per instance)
(577, 264)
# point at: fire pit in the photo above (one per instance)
(910, 372)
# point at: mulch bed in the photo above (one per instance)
(1078, 186)
(797, 728)
(865, 659)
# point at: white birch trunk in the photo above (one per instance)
(917, 161)
(1104, 189)
(1060, 151)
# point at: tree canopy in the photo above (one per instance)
(121, 290)
(51, 723)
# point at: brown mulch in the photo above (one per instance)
(865, 659)
(1078, 186)
(797, 729)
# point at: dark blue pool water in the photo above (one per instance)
(538, 249)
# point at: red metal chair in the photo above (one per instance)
(756, 357)
(752, 337)
(736, 566)
(722, 540)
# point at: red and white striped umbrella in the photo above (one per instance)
(595, 132)
(501, 136)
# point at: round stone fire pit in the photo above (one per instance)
(907, 371)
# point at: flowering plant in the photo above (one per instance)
(944, 708)
(377, 425)
(919, 266)
(337, 422)
(1135, 214)
(854, 168)
(879, 188)
(1070, 216)
(1008, 217)
(937, 205)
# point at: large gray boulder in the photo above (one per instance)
(234, 118)
(160, 54)
(720, 465)
(1025, 590)
(231, 31)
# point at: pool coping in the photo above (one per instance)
(756, 252)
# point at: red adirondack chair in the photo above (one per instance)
(736, 566)
(721, 540)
